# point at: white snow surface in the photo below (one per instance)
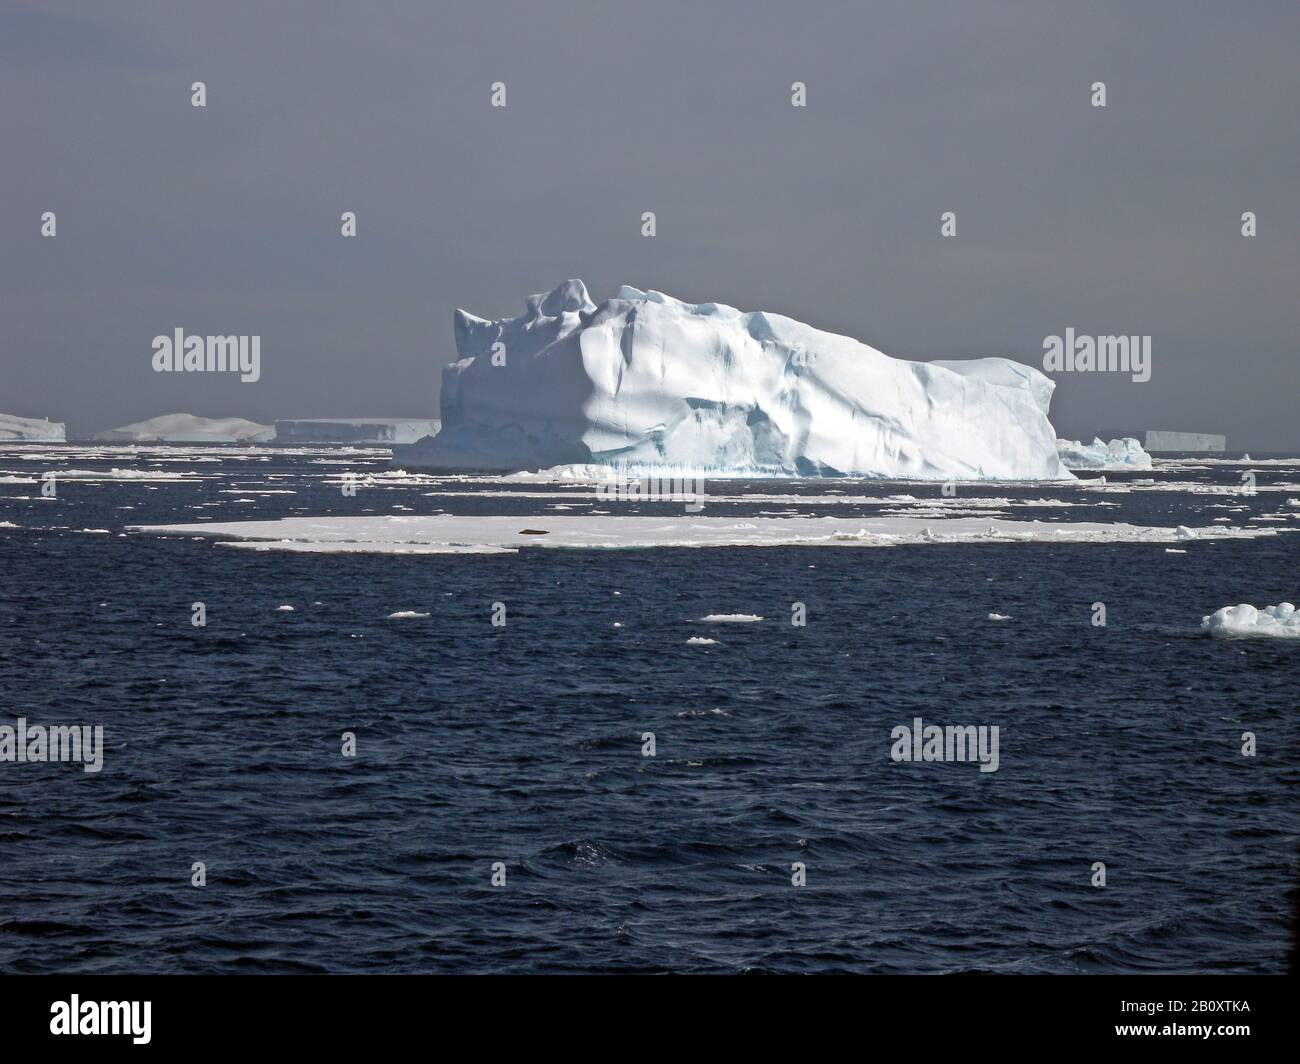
(187, 428)
(644, 381)
(13, 427)
(1126, 453)
(474, 534)
(1245, 621)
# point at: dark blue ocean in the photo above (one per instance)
(523, 744)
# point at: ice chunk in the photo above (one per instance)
(1245, 621)
(1124, 453)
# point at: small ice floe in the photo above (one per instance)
(286, 608)
(730, 618)
(1245, 621)
(618, 624)
(403, 615)
(96, 531)
(999, 617)
(700, 641)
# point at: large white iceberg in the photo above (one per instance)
(187, 428)
(646, 382)
(13, 427)
(1244, 621)
(1124, 453)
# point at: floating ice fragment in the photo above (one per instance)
(1245, 621)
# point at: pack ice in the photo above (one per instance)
(645, 382)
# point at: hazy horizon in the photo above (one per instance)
(226, 219)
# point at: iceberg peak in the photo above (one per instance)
(568, 298)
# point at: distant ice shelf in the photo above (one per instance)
(1161, 440)
(376, 430)
(42, 430)
(644, 382)
(187, 428)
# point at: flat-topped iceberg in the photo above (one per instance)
(13, 427)
(1120, 454)
(645, 382)
(187, 428)
(365, 430)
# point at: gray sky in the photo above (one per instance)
(226, 220)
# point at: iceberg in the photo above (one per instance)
(644, 382)
(1160, 440)
(366, 430)
(1124, 453)
(1244, 621)
(186, 428)
(13, 427)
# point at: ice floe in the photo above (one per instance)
(448, 533)
(1245, 621)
